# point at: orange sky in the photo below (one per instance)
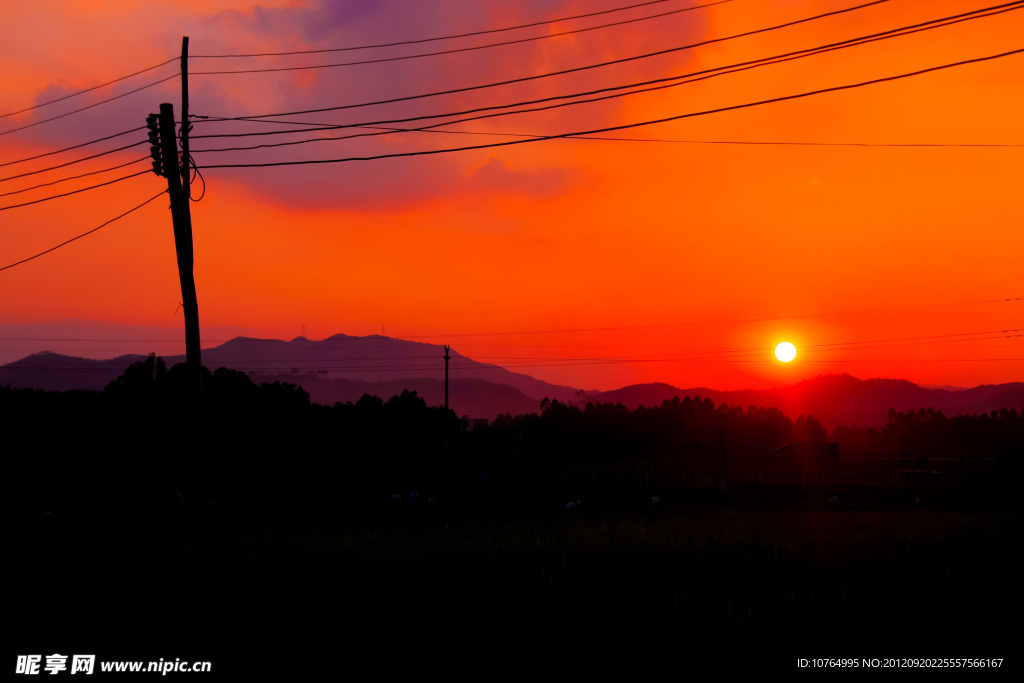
(687, 261)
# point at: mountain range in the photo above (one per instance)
(343, 368)
(837, 399)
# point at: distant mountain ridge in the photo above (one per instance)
(836, 399)
(343, 368)
(339, 368)
(57, 372)
(374, 358)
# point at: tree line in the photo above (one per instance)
(141, 440)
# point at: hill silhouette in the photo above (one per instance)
(342, 368)
(57, 372)
(374, 358)
(836, 399)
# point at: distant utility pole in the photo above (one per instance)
(446, 358)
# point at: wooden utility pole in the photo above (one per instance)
(446, 357)
(186, 125)
(164, 136)
(181, 217)
(183, 236)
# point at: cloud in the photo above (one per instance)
(372, 185)
(498, 176)
(395, 184)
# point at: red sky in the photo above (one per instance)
(685, 263)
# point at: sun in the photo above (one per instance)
(785, 352)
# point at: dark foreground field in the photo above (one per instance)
(755, 577)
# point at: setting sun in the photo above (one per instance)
(785, 352)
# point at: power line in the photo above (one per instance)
(1000, 334)
(722, 360)
(806, 348)
(275, 372)
(321, 127)
(96, 104)
(696, 355)
(714, 72)
(723, 352)
(732, 360)
(456, 50)
(82, 92)
(607, 129)
(76, 177)
(723, 322)
(67, 194)
(720, 71)
(75, 161)
(490, 366)
(239, 339)
(66, 242)
(944, 338)
(427, 129)
(558, 73)
(66, 149)
(853, 346)
(661, 140)
(357, 341)
(448, 37)
(431, 128)
(714, 142)
(692, 78)
(122, 339)
(748, 352)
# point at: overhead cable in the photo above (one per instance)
(82, 92)
(558, 73)
(75, 161)
(84, 234)
(95, 104)
(447, 37)
(456, 50)
(78, 191)
(684, 78)
(627, 126)
(75, 177)
(67, 149)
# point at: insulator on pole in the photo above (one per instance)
(153, 124)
